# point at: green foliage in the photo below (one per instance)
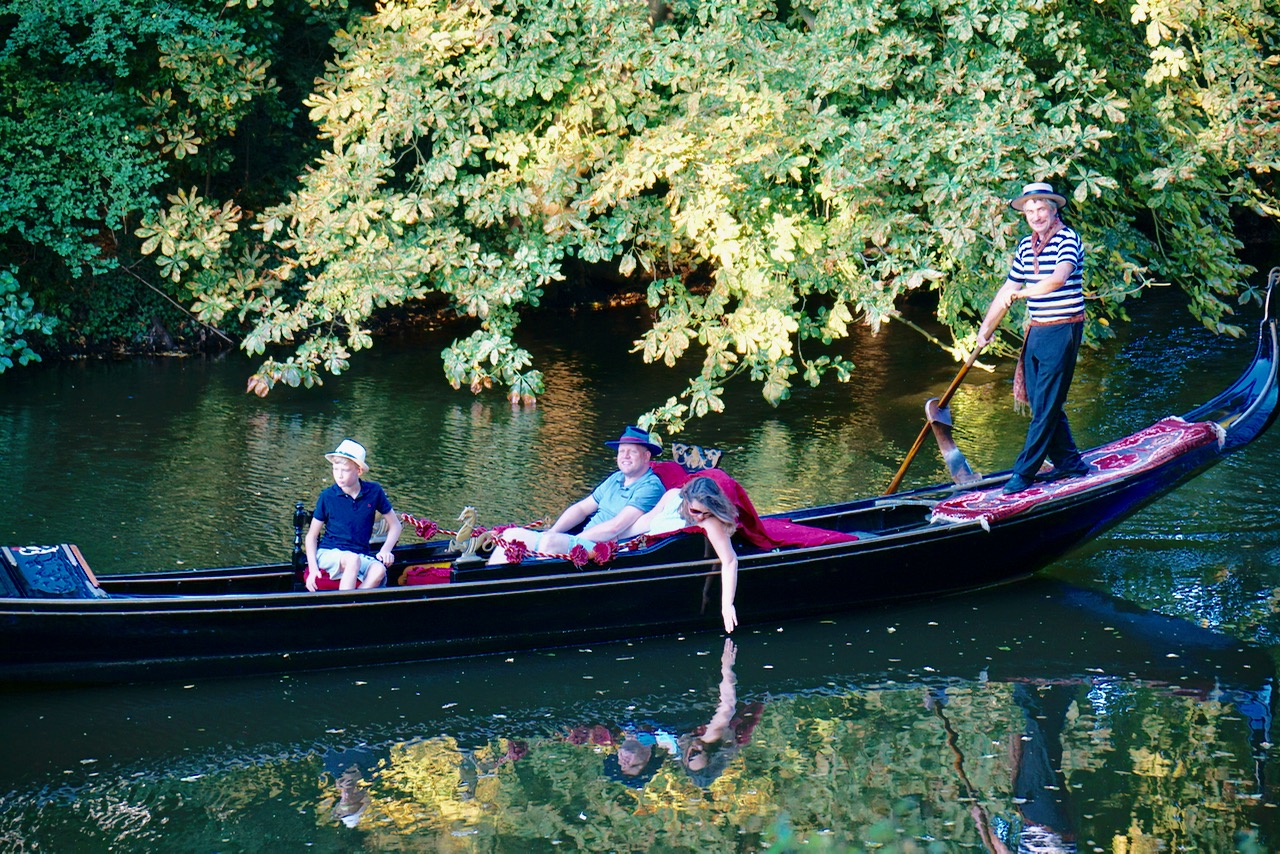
(770, 177)
(18, 319)
(105, 103)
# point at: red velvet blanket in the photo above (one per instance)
(766, 534)
(1144, 450)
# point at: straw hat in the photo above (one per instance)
(1037, 190)
(349, 450)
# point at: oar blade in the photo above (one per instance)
(958, 467)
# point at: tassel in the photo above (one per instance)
(1021, 404)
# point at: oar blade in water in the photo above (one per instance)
(957, 466)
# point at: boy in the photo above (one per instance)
(345, 512)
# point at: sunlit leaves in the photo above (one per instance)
(188, 232)
(770, 184)
(1166, 62)
(179, 142)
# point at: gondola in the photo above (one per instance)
(60, 623)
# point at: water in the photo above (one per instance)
(917, 725)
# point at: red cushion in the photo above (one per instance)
(427, 573)
(324, 582)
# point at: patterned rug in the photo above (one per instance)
(1146, 449)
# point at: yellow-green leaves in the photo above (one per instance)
(769, 182)
(190, 231)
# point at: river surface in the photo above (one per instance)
(1120, 701)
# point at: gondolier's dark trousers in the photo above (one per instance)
(1048, 364)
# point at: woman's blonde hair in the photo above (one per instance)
(707, 491)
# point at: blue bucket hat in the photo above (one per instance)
(633, 435)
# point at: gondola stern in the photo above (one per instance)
(1249, 406)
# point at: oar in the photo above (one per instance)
(979, 813)
(962, 474)
(942, 404)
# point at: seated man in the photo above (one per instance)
(610, 509)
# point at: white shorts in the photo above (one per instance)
(574, 540)
(328, 560)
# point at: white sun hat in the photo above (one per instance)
(1037, 190)
(349, 450)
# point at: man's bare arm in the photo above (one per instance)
(610, 528)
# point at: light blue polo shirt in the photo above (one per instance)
(613, 496)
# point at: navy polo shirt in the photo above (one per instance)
(348, 522)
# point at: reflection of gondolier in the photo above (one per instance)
(1039, 785)
(1047, 272)
(1043, 821)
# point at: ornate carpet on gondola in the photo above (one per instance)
(1146, 449)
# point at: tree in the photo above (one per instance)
(768, 175)
(105, 103)
(18, 318)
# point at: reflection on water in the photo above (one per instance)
(1037, 713)
(352, 770)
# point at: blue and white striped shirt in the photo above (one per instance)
(1068, 299)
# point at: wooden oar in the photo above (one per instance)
(942, 404)
(924, 431)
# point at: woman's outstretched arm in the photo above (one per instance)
(718, 534)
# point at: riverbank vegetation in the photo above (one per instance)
(288, 174)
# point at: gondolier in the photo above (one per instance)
(1047, 272)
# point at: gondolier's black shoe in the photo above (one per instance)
(1079, 470)
(1017, 483)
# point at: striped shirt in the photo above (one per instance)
(1068, 299)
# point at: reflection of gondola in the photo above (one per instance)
(910, 545)
(1038, 632)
